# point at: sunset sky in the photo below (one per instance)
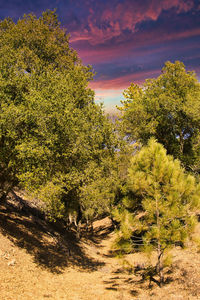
(124, 40)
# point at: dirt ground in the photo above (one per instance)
(39, 260)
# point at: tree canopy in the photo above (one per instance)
(167, 108)
(50, 127)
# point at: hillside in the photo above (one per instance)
(39, 260)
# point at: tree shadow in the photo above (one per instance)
(97, 234)
(134, 293)
(51, 246)
(111, 288)
(133, 282)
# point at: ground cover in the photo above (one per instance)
(39, 260)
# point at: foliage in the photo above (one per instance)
(168, 198)
(97, 194)
(50, 128)
(167, 108)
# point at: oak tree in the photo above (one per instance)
(50, 127)
(167, 108)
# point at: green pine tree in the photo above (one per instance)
(158, 211)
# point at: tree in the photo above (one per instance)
(168, 109)
(167, 199)
(99, 190)
(30, 52)
(50, 127)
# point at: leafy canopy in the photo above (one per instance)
(167, 108)
(50, 128)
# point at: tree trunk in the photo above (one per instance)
(181, 143)
(159, 265)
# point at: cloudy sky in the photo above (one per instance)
(124, 40)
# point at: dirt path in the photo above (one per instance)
(37, 261)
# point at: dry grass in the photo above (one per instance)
(42, 261)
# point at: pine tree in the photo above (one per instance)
(158, 211)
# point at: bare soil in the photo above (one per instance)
(39, 260)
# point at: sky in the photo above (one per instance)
(124, 40)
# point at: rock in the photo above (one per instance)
(12, 262)
(6, 256)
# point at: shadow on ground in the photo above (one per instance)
(52, 247)
(97, 235)
(122, 279)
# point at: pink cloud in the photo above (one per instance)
(122, 82)
(133, 46)
(151, 37)
(122, 17)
